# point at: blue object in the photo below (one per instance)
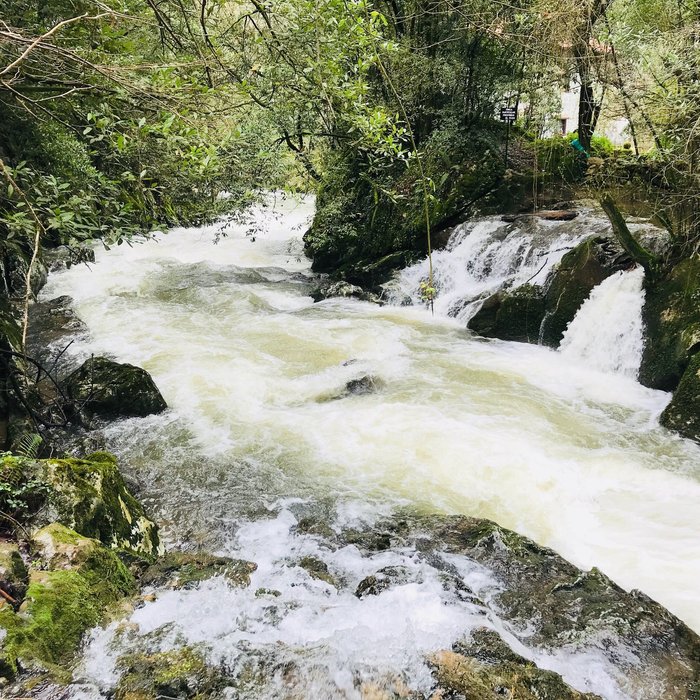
(577, 145)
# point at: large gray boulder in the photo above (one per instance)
(108, 389)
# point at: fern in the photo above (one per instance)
(29, 444)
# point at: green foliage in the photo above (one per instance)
(22, 494)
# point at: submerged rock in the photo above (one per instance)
(367, 384)
(317, 569)
(383, 580)
(511, 315)
(556, 604)
(672, 320)
(683, 413)
(108, 389)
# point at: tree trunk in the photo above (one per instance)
(632, 247)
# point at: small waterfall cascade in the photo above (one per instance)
(607, 332)
(486, 255)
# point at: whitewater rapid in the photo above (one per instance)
(542, 442)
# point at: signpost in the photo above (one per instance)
(508, 115)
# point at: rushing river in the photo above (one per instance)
(563, 447)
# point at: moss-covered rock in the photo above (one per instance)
(90, 496)
(108, 389)
(683, 413)
(61, 604)
(187, 569)
(178, 674)
(672, 320)
(511, 315)
(318, 570)
(580, 270)
(463, 676)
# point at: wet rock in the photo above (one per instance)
(329, 290)
(188, 569)
(372, 275)
(14, 576)
(385, 578)
(368, 540)
(310, 525)
(571, 283)
(557, 604)
(486, 646)
(367, 384)
(64, 257)
(511, 315)
(546, 215)
(178, 674)
(90, 497)
(16, 270)
(672, 325)
(318, 570)
(683, 413)
(463, 676)
(108, 389)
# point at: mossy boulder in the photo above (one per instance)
(511, 315)
(571, 283)
(90, 496)
(672, 321)
(178, 674)
(61, 604)
(187, 569)
(107, 389)
(683, 413)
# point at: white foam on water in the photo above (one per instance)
(607, 333)
(484, 256)
(332, 639)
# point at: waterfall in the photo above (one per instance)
(486, 255)
(607, 332)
